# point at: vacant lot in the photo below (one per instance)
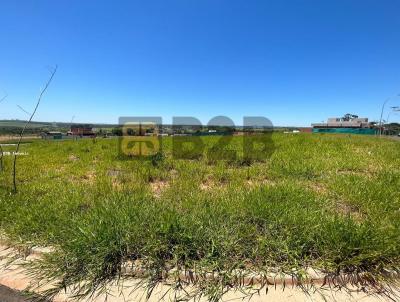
(331, 203)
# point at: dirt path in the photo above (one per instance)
(5, 138)
(14, 280)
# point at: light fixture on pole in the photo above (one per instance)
(394, 109)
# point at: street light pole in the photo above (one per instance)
(383, 108)
(380, 120)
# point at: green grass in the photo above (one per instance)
(20, 124)
(327, 202)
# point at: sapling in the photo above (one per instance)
(1, 148)
(26, 125)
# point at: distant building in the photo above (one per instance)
(349, 123)
(81, 130)
(305, 129)
(52, 135)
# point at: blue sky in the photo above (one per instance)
(295, 62)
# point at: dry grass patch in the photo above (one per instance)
(89, 177)
(253, 183)
(317, 187)
(209, 184)
(158, 187)
(364, 173)
(345, 209)
(73, 157)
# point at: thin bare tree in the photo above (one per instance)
(4, 97)
(53, 72)
(1, 158)
(23, 110)
(1, 148)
